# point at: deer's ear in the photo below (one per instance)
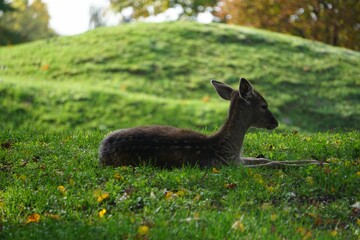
(222, 89)
(245, 89)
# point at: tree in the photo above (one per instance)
(25, 23)
(145, 8)
(5, 6)
(335, 22)
(96, 17)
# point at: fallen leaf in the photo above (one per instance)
(230, 185)
(266, 206)
(215, 171)
(333, 233)
(22, 178)
(101, 195)
(124, 197)
(180, 193)
(45, 67)
(117, 176)
(356, 205)
(238, 226)
(196, 217)
(143, 230)
(53, 216)
(206, 99)
(33, 218)
(307, 235)
(304, 233)
(197, 197)
(169, 195)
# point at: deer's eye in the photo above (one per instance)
(264, 107)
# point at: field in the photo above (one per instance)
(59, 97)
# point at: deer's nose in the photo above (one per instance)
(273, 125)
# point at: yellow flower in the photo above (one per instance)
(61, 189)
(238, 226)
(143, 230)
(358, 222)
(333, 233)
(214, 170)
(102, 212)
(33, 218)
(358, 174)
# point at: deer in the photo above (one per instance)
(170, 147)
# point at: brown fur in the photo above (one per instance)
(169, 147)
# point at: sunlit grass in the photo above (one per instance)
(50, 181)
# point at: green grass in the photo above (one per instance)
(59, 97)
(309, 85)
(270, 203)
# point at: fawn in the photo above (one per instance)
(170, 147)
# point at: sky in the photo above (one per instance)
(70, 17)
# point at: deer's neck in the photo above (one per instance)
(230, 137)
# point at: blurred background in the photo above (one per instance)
(331, 21)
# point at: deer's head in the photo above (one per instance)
(249, 104)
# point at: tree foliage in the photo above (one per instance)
(26, 23)
(335, 22)
(145, 8)
(332, 21)
(5, 6)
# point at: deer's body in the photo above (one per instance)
(168, 147)
(163, 146)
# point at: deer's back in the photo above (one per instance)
(158, 145)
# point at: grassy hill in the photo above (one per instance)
(159, 74)
(59, 97)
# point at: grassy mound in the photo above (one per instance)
(159, 74)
